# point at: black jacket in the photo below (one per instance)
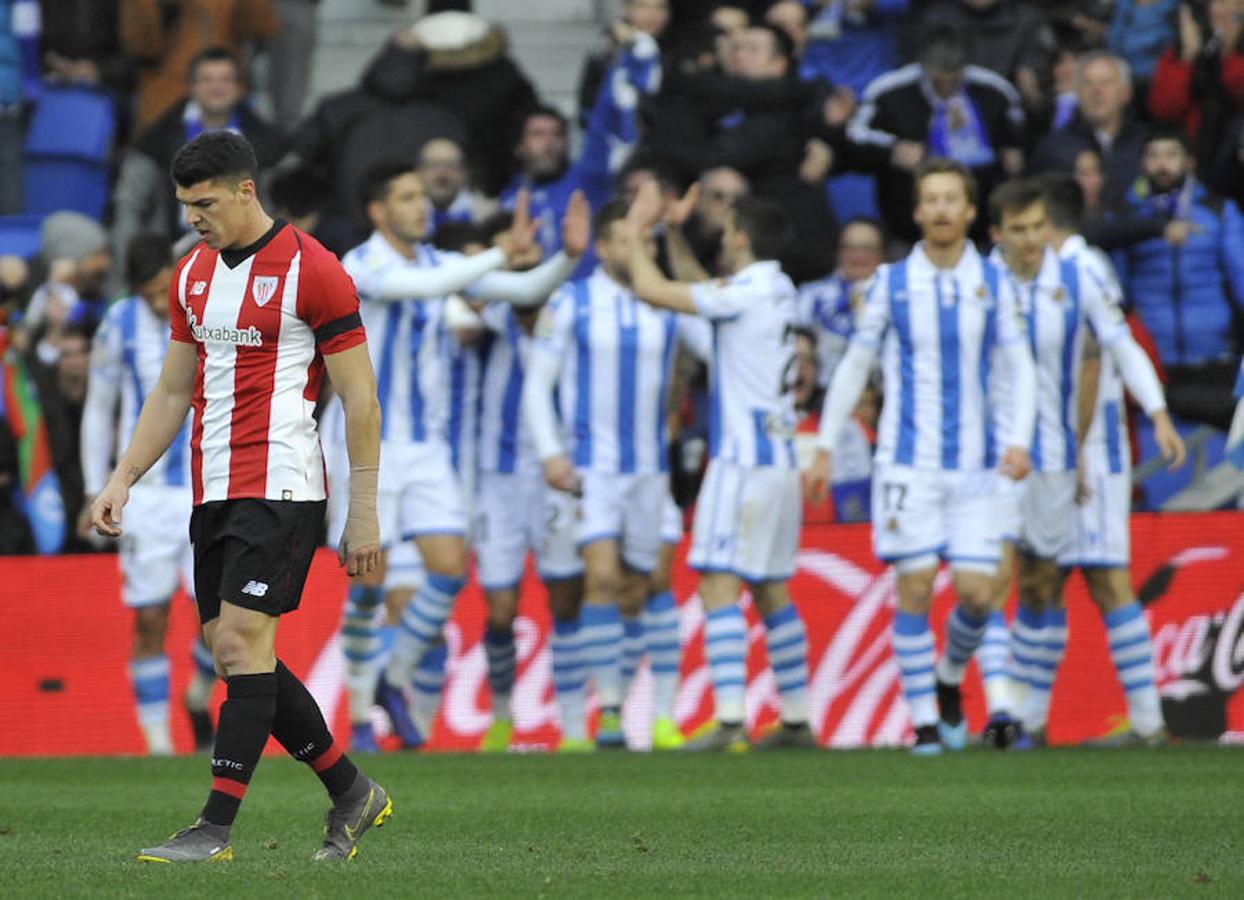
(1058, 150)
(894, 108)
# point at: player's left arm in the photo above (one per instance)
(1013, 343)
(1104, 311)
(329, 304)
(353, 379)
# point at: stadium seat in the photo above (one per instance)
(65, 164)
(56, 184)
(74, 122)
(19, 235)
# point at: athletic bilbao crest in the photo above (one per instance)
(263, 288)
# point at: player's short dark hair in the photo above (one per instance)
(875, 224)
(766, 224)
(299, 192)
(146, 256)
(1014, 196)
(640, 162)
(379, 177)
(1167, 131)
(210, 55)
(941, 165)
(613, 211)
(1064, 200)
(500, 221)
(455, 237)
(215, 155)
(943, 49)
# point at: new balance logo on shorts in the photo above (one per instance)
(255, 588)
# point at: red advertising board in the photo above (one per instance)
(65, 637)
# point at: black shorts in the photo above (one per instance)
(253, 553)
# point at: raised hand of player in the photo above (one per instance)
(1168, 440)
(678, 212)
(560, 475)
(522, 234)
(645, 209)
(816, 479)
(106, 508)
(1015, 463)
(576, 225)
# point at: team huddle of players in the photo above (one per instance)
(523, 412)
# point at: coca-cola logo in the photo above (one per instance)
(1202, 653)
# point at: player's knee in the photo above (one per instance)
(1104, 590)
(237, 649)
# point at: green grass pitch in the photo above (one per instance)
(1059, 823)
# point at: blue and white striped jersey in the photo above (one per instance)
(505, 443)
(126, 358)
(752, 371)
(937, 332)
(615, 354)
(828, 307)
(463, 424)
(411, 349)
(1108, 432)
(1056, 305)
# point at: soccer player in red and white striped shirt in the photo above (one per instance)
(259, 312)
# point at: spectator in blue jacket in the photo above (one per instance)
(1186, 281)
(1139, 31)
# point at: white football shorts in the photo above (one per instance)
(155, 547)
(517, 513)
(747, 521)
(625, 508)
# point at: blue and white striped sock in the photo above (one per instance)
(964, 632)
(725, 646)
(502, 659)
(664, 654)
(632, 650)
(913, 648)
(1131, 651)
(150, 680)
(1044, 669)
(199, 692)
(601, 635)
(361, 646)
(427, 683)
(992, 659)
(1026, 640)
(569, 679)
(422, 620)
(787, 641)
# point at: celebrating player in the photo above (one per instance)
(746, 525)
(402, 283)
(941, 318)
(259, 311)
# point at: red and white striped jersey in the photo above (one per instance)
(261, 319)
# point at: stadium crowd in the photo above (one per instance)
(826, 109)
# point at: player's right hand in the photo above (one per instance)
(816, 479)
(522, 234)
(106, 509)
(1168, 440)
(560, 475)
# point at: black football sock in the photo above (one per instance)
(299, 726)
(245, 723)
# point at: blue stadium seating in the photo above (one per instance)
(65, 163)
(19, 235)
(1162, 485)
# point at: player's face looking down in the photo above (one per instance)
(219, 210)
(404, 211)
(614, 249)
(1023, 235)
(943, 210)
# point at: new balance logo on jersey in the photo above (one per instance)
(263, 288)
(255, 588)
(248, 337)
(198, 288)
